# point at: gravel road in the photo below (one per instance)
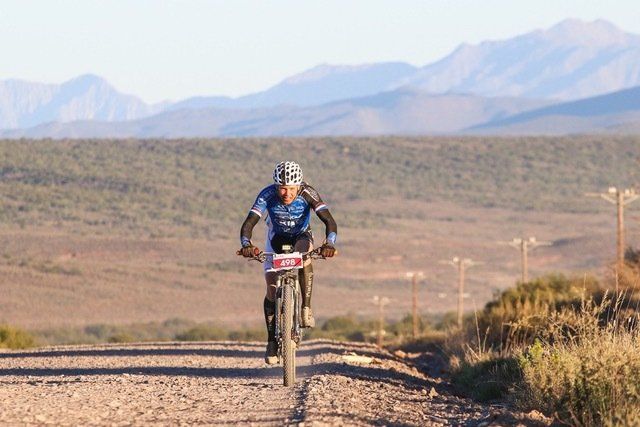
(224, 383)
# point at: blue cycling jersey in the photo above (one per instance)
(289, 220)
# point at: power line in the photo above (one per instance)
(620, 198)
(462, 265)
(524, 246)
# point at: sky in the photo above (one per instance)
(169, 50)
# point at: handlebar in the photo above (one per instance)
(261, 256)
(256, 252)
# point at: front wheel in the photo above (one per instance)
(288, 345)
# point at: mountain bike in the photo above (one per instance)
(288, 304)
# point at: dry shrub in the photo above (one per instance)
(518, 315)
(556, 344)
(560, 345)
(582, 371)
(628, 278)
(15, 338)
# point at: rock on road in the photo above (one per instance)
(221, 383)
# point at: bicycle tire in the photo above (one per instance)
(288, 345)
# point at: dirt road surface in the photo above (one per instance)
(221, 384)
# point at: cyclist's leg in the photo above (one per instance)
(270, 277)
(304, 243)
(269, 306)
(269, 318)
(271, 355)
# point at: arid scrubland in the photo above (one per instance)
(130, 231)
(193, 187)
(134, 240)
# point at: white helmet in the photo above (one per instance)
(287, 173)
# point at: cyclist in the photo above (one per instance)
(288, 203)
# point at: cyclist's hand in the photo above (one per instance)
(327, 250)
(249, 251)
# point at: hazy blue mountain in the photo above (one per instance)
(403, 111)
(614, 112)
(571, 60)
(319, 85)
(87, 97)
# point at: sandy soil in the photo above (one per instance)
(227, 383)
(57, 278)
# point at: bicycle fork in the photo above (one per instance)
(278, 315)
(296, 311)
(281, 282)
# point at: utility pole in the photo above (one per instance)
(380, 302)
(414, 276)
(524, 246)
(620, 198)
(461, 264)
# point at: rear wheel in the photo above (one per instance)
(288, 345)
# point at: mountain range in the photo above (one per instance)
(397, 112)
(614, 112)
(88, 97)
(527, 84)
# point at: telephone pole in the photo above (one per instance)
(620, 198)
(524, 246)
(461, 264)
(380, 302)
(414, 276)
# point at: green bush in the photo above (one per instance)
(121, 337)
(203, 333)
(251, 334)
(100, 333)
(518, 315)
(15, 338)
(403, 328)
(344, 328)
(488, 379)
(632, 256)
(169, 330)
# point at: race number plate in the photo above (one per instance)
(287, 261)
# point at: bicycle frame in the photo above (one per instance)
(288, 330)
(288, 277)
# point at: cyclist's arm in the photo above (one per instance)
(330, 225)
(322, 210)
(258, 208)
(247, 228)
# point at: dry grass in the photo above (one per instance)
(521, 314)
(569, 349)
(585, 373)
